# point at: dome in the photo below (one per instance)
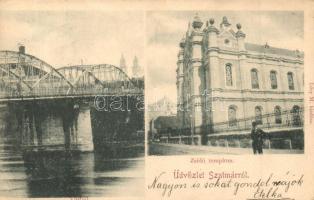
(239, 33)
(197, 22)
(225, 21)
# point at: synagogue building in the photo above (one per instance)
(225, 83)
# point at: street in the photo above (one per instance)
(182, 149)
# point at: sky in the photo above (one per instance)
(166, 28)
(64, 38)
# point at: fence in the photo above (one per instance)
(284, 119)
(285, 129)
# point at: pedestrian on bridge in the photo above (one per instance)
(257, 135)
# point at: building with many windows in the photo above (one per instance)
(223, 80)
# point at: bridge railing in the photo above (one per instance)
(271, 121)
(23, 75)
(42, 92)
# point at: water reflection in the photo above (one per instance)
(49, 153)
(52, 174)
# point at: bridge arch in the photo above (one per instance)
(12, 85)
(81, 79)
(109, 77)
(37, 78)
(38, 74)
(107, 73)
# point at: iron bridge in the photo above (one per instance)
(24, 76)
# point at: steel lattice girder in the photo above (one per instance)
(41, 78)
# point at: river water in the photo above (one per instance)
(33, 165)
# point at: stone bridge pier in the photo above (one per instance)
(76, 123)
(57, 124)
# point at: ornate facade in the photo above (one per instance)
(221, 78)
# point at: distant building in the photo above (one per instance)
(164, 125)
(163, 107)
(222, 78)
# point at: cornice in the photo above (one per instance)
(256, 91)
(195, 60)
(255, 56)
(256, 99)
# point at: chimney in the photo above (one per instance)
(22, 49)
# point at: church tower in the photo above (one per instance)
(123, 64)
(180, 85)
(136, 69)
(197, 76)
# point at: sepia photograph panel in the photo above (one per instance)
(71, 103)
(225, 82)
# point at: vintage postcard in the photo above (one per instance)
(72, 104)
(157, 100)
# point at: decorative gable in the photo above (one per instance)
(227, 39)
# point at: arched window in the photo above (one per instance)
(290, 80)
(296, 119)
(228, 74)
(254, 79)
(258, 115)
(232, 116)
(273, 80)
(277, 112)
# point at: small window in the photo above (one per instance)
(296, 116)
(227, 41)
(273, 80)
(229, 75)
(278, 115)
(254, 79)
(290, 80)
(232, 116)
(258, 115)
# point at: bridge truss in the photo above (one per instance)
(25, 76)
